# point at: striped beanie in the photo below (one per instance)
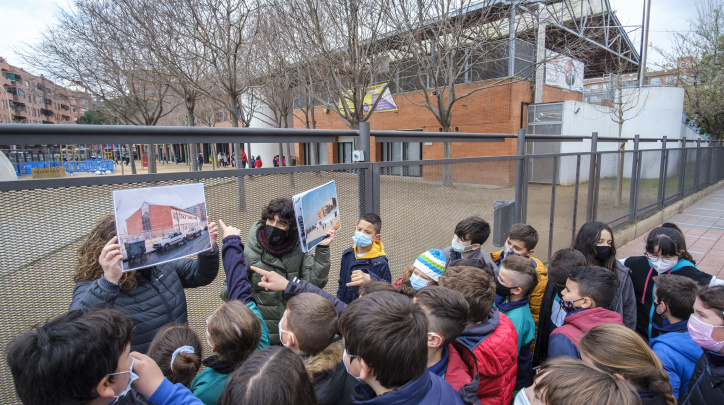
(432, 263)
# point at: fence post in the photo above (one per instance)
(697, 164)
(592, 178)
(682, 165)
(633, 192)
(368, 184)
(519, 174)
(662, 174)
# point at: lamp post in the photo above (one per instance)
(7, 99)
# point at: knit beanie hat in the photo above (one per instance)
(432, 263)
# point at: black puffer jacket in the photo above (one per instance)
(332, 383)
(158, 298)
(706, 386)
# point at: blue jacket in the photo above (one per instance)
(678, 354)
(373, 263)
(427, 389)
(173, 394)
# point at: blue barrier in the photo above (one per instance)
(88, 166)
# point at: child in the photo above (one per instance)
(308, 328)
(385, 335)
(364, 260)
(272, 376)
(674, 300)
(489, 337)
(467, 242)
(589, 291)
(516, 279)
(84, 357)
(595, 241)
(551, 312)
(522, 240)
(426, 270)
(177, 350)
(447, 314)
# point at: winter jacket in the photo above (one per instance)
(678, 354)
(158, 298)
(173, 394)
(624, 302)
(519, 313)
(452, 255)
(706, 386)
(551, 300)
(332, 383)
(564, 339)
(427, 389)
(492, 345)
(209, 384)
(373, 263)
(297, 286)
(650, 398)
(463, 379)
(293, 263)
(642, 274)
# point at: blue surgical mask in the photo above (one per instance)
(418, 282)
(133, 377)
(361, 239)
(521, 398)
(345, 363)
(458, 247)
(508, 251)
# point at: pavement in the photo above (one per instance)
(703, 227)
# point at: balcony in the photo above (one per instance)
(13, 77)
(19, 118)
(43, 88)
(17, 106)
(65, 117)
(48, 101)
(64, 107)
(46, 112)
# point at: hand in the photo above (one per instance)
(110, 260)
(358, 278)
(328, 238)
(229, 230)
(213, 234)
(270, 280)
(149, 374)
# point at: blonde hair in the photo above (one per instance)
(235, 331)
(617, 349)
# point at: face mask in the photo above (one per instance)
(361, 239)
(701, 332)
(568, 305)
(417, 282)
(502, 290)
(275, 235)
(345, 363)
(521, 398)
(133, 377)
(209, 341)
(662, 265)
(291, 335)
(603, 253)
(508, 251)
(458, 247)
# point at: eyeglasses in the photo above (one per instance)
(351, 356)
(130, 369)
(659, 256)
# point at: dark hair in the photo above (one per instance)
(387, 330)
(374, 286)
(373, 219)
(561, 261)
(596, 283)
(235, 331)
(407, 290)
(274, 375)
(713, 298)
(185, 365)
(524, 233)
(283, 207)
(526, 276)
(62, 361)
(670, 242)
(586, 240)
(478, 288)
(447, 311)
(477, 263)
(313, 320)
(672, 226)
(678, 292)
(474, 229)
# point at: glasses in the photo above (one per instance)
(351, 356)
(130, 369)
(659, 256)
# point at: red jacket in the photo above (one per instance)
(492, 347)
(257, 163)
(564, 339)
(463, 377)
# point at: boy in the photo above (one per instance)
(589, 291)
(364, 260)
(468, 239)
(674, 298)
(447, 314)
(551, 312)
(385, 335)
(489, 338)
(308, 328)
(516, 279)
(84, 357)
(522, 240)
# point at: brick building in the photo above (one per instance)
(154, 221)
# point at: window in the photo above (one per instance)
(655, 81)
(400, 152)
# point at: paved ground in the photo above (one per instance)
(703, 226)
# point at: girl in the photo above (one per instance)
(177, 350)
(426, 270)
(595, 241)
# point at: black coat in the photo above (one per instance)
(706, 386)
(332, 383)
(158, 298)
(545, 325)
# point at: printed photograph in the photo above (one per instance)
(159, 224)
(317, 213)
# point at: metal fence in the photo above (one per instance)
(44, 221)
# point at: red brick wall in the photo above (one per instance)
(134, 223)
(160, 216)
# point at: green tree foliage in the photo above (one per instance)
(94, 117)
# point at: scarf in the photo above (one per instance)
(276, 250)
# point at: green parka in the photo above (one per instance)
(310, 267)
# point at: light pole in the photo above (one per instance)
(7, 99)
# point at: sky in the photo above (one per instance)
(24, 20)
(126, 202)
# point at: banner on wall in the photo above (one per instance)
(563, 71)
(386, 103)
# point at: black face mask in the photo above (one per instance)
(603, 253)
(502, 290)
(275, 235)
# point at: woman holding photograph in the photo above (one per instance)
(152, 297)
(273, 245)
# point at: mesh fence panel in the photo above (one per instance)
(703, 156)
(648, 185)
(690, 168)
(614, 196)
(42, 230)
(673, 173)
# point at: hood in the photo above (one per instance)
(680, 343)
(326, 360)
(414, 392)
(472, 336)
(377, 250)
(586, 319)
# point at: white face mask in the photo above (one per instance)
(133, 377)
(662, 265)
(291, 335)
(521, 398)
